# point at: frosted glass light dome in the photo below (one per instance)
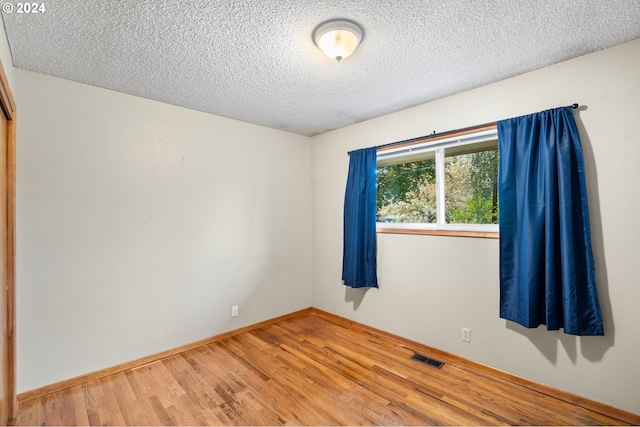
(338, 38)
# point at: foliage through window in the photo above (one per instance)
(448, 184)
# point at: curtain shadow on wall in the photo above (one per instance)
(355, 295)
(547, 342)
(592, 348)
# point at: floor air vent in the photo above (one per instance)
(431, 362)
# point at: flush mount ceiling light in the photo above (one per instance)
(338, 38)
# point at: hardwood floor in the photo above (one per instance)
(303, 371)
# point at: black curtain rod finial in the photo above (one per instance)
(574, 106)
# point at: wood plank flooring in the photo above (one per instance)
(302, 371)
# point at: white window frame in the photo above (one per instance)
(424, 145)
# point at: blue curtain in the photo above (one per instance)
(359, 254)
(547, 273)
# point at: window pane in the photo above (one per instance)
(407, 192)
(471, 187)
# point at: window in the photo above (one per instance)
(446, 184)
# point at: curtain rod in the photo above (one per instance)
(436, 135)
(441, 134)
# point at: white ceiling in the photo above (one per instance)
(255, 61)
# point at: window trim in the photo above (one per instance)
(438, 136)
(438, 232)
(437, 143)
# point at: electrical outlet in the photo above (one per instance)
(466, 334)
(234, 311)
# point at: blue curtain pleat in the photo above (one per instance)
(359, 255)
(547, 271)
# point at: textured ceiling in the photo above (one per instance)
(255, 61)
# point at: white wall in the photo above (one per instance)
(432, 286)
(140, 224)
(5, 55)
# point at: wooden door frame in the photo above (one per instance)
(9, 107)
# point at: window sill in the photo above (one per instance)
(453, 233)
